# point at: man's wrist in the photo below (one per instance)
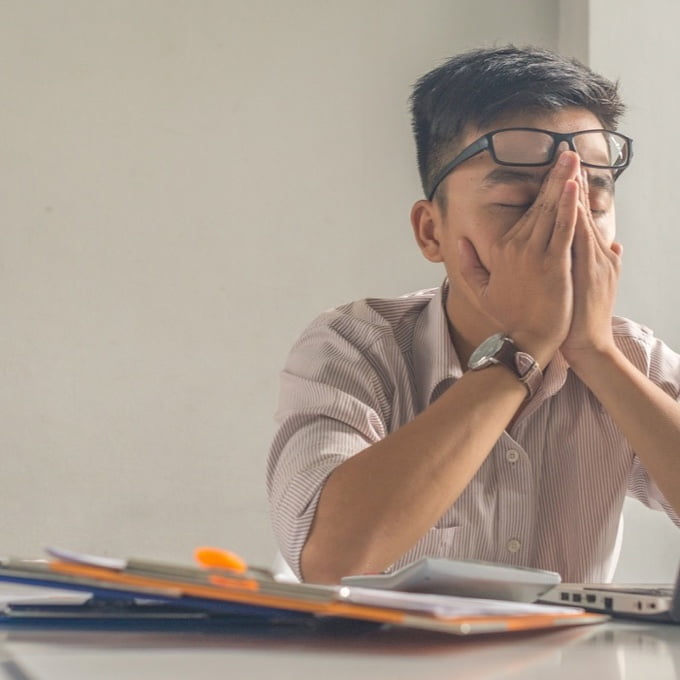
(541, 350)
(585, 361)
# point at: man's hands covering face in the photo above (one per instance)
(595, 273)
(551, 278)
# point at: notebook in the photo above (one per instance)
(652, 602)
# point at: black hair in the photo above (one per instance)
(481, 85)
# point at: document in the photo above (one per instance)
(237, 590)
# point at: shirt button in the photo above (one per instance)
(512, 456)
(513, 545)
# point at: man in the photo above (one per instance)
(504, 416)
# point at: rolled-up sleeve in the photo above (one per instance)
(662, 367)
(334, 402)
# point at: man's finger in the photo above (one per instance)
(472, 270)
(548, 201)
(562, 235)
(585, 199)
(548, 197)
(585, 240)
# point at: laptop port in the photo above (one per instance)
(608, 603)
(591, 598)
(564, 596)
(576, 597)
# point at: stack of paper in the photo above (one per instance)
(163, 591)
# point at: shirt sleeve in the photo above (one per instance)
(662, 367)
(334, 402)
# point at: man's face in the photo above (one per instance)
(484, 199)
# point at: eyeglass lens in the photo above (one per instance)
(527, 147)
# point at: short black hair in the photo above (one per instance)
(481, 85)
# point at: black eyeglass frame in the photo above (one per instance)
(486, 142)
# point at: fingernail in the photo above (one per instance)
(563, 159)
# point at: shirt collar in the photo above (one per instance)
(554, 377)
(434, 357)
(436, 364)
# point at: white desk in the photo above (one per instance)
(612, 651)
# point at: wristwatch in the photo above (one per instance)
(500, 349)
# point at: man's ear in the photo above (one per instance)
(426, 222)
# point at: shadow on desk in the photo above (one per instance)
(337, 636)
(611, 651)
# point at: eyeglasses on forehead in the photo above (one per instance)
(524, 147)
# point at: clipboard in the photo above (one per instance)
(252, 594)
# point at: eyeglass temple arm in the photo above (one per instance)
(472, 150)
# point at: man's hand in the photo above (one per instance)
(595, 271)
(527, 289)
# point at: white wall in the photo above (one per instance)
(185, 185)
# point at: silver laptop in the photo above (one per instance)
(652, 602)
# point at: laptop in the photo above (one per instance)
(651, 602)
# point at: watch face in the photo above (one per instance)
(481, 356)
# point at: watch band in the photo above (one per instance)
(505, 352)
(528, 371)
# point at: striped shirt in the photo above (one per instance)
(550, 493)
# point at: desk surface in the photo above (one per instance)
(617, 650)
(611, 651)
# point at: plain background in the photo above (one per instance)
(186, 184)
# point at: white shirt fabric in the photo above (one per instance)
(550, 493)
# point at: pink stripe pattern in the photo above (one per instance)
(550, 493)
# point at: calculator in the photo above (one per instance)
(467, 578)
